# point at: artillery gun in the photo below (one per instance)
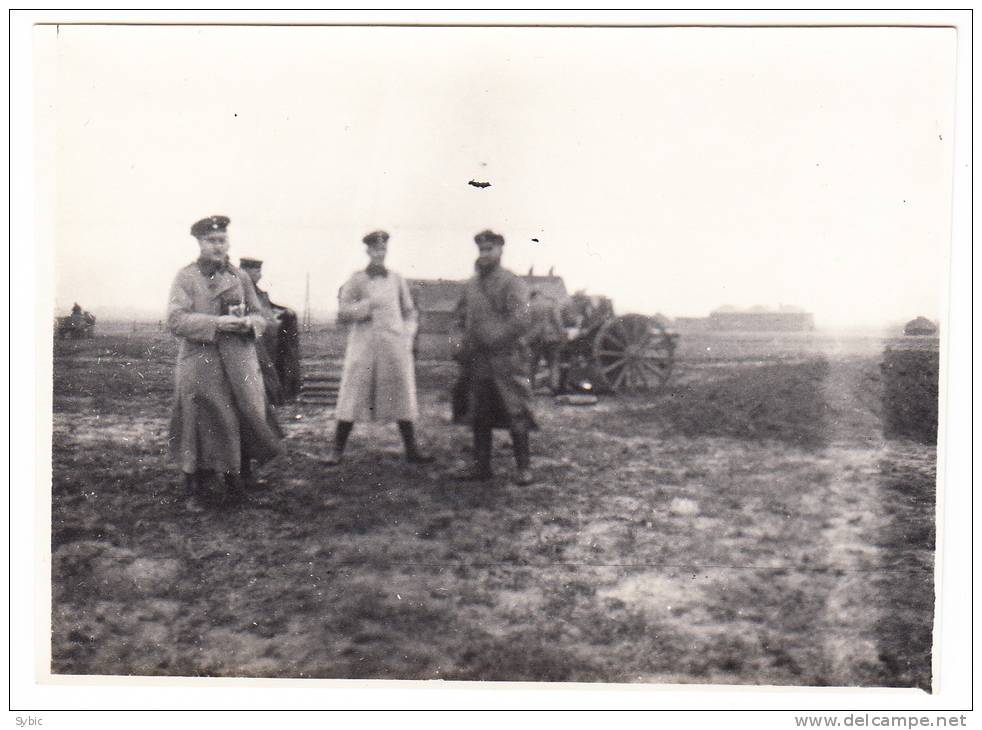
(603, 351)
(615, 353)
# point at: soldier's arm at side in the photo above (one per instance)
(182, 320)
(255, 312)
(459, 345)
(410, 315)
(557, 318)
(352, 306)
(517, 318)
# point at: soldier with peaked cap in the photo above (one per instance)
(279, 346)
(221, 417)
(494, 319)
(378, 380)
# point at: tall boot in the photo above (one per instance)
(234, 489)
(481, 469)
(555, 377)
(341, 434)
(413, 454)
(523, 460)
(245, 470)
(194, 501)
(210, 486)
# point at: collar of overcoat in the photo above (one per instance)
(218, 285)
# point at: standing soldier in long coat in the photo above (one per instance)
(279, 346)
(495, 319)
(265, 344)
(546, 337)
(221, 418)
(378, 381)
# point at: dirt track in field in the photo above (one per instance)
(767, 519)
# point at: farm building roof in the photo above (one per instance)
(550, 286)
(436, 295)
(442, 295)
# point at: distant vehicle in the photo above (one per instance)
(921, 327)
(604, 352)
(77, 325)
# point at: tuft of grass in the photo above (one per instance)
(773, 402)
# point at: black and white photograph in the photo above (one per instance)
(553, 355)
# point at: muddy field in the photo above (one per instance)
(766, 519)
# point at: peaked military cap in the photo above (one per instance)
(490, 237)
(211, 224)
(250, 263)
(375, 237)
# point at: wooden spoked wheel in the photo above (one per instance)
(633, 353)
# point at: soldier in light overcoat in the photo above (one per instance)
(221, 418)
(378, 379)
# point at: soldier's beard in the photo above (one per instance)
(486, 267)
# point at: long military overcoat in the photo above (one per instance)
(378, 380)
(220, 405)
(494, 318)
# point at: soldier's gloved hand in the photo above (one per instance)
(256, 324)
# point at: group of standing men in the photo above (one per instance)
(229, 379)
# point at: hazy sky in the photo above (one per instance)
(674, 170)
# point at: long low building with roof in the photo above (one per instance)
(761, 319)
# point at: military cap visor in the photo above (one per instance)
(211, 224)
(250, 263)
(375, 237)
(490, 237)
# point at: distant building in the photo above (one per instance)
(921, 326)
(761, 319)
(436, 301)
(549, 286)
(692, 324)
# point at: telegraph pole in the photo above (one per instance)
(306, 306)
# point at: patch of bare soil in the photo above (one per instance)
(752, 525)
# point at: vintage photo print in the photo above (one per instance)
(603, 355)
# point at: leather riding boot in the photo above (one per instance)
(247, 477)
(413, 453)
(234, 488)
(520, 444)
(209, 486)
(341, 434)
(481, 469)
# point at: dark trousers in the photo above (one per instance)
(551, 351)
(490, 411)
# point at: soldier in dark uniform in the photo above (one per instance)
(279, 352)
(546, 337)
(494, 319)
